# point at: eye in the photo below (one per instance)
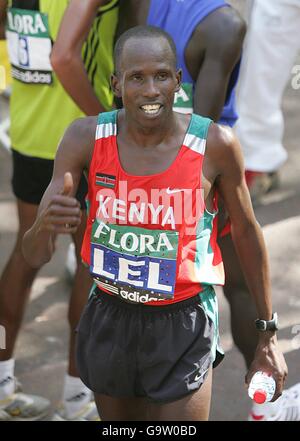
(162, 76)
(137, 77)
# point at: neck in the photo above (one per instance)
(150, 136)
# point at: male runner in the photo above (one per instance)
(40, 111)
(148, 336)
(209, 41)
(209, 37)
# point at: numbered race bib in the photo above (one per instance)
(136, 264)
(183, 100)
(29, 46)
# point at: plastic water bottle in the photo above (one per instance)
(262, 387)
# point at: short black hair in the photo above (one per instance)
(141, 32)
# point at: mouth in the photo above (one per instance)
(151, 109)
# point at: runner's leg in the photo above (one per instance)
(81, 287)
(16, 282)
(121, 409)
(194, 407)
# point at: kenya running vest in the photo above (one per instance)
(149, 239)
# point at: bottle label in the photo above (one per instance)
(264, 383)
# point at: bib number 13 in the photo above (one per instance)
(23, 52)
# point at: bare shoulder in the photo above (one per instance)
(222, 32)
(220, 137)
(82, 129)
(223, 149)
(78, 140)
(223, 22)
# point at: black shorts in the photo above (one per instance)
(31, 177)
(162, 353)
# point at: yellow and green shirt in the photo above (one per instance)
(40, 109)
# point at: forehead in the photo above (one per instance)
(141, 52)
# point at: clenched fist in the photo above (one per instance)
(63, 214)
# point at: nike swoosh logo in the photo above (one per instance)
(198, 376)
(176, 190)
(256, 417)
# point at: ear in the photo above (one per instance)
(115, 85)
(178, 79)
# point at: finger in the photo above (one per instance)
(68, 184)
(279, 389)
(65, 210)
(63, 220)
(65, 229)
(69, 201)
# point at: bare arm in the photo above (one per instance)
(3, 8)
(59, 211)
(66, 56)
(246, 232)
(225, 153)
(221, 35)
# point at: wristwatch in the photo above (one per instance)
(267, 325)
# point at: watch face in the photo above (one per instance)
(261, 325)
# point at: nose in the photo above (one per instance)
(150, 89)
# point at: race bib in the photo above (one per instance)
(183, 100)
(136, 264)
(29, 46)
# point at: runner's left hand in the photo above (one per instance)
(269, 358)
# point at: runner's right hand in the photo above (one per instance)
(63, 214)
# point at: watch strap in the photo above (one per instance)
(267, 325)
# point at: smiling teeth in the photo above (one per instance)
(151, 108)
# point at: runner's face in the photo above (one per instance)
(148, 80)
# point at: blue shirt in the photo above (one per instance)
(180, 18)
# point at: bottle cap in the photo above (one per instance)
(259, 396)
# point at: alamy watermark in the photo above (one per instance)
(2, 337)
(170, 206)
(2, 78)
(296, 78)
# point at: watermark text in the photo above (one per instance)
(296, 77)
